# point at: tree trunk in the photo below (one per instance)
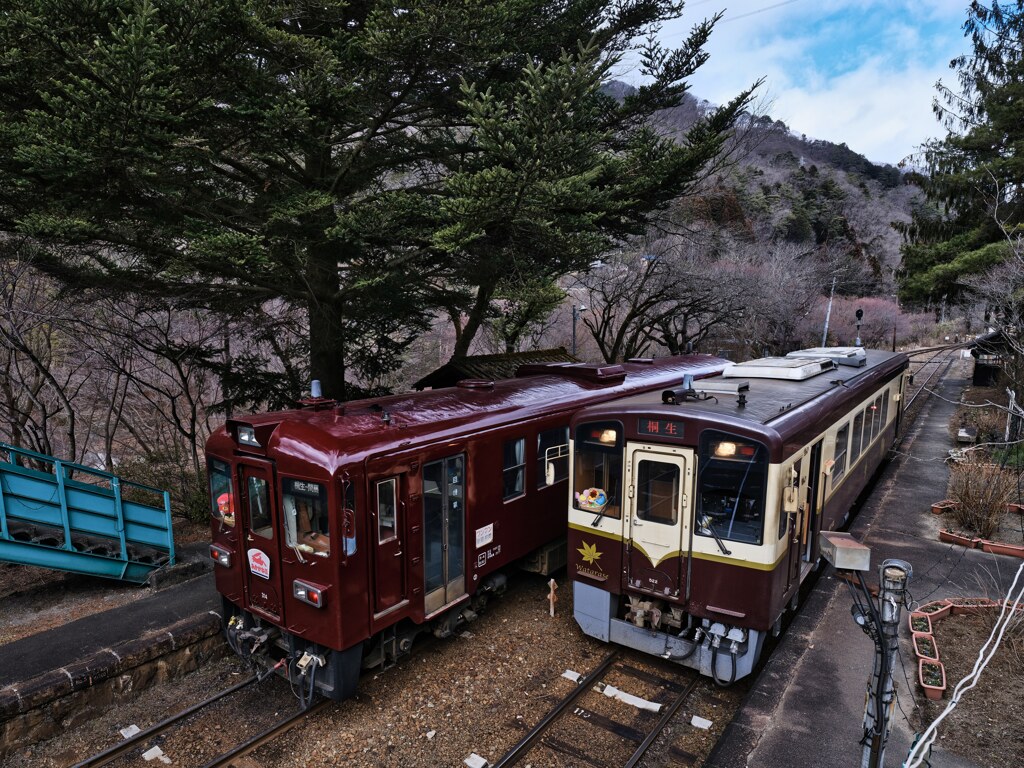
(326, 320)
(473, 321)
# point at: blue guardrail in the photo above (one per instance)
(55, 514)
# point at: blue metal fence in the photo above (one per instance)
(56, 514)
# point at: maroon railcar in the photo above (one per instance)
(695, 512)
(341, 530)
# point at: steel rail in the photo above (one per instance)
(271, 733)
(526, 743)
(109, 755)
(660, 726)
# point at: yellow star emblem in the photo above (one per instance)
(590, 553)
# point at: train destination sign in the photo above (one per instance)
(660, 427)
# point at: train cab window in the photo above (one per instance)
(731, 484)
(855, 439)
(597, 476)
(514, 473)
(657, 489)
(552, 456)
(387, 510)
(259, 507)
(222, 500)
(842, 447)
(305, 517)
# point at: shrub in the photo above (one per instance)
(983, 490)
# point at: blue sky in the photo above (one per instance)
(856, 71)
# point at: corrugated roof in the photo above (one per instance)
(490, 367)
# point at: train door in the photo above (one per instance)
(261, 534)
(388, 512)
(812, 506)
(444, 532)
(657, 521)
(795, 519)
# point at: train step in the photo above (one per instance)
(56, 514)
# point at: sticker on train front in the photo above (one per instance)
(259, 563)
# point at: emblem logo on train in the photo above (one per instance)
(259, 563)
(590, 557)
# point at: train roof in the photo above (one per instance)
(774, 404)
(328, 434)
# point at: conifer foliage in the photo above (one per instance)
(366, 161)
(975, 173)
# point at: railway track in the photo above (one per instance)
(137, 745)
(590, 726)
(936, 366)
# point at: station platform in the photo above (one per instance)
(807, 705)
(46, 675)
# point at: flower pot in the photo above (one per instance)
(998, 548)
(941, 506)
(937, 609)
(919, 622)
(971, 605)
(932, 676)
(954, 537)
(925, 646)
(1015, 508)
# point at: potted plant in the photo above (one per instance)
(932, 675)
(941, 506)
(918, 621)
(955, 537)
(936, 609)
(971, 605)
(999, 548)
(925, 646)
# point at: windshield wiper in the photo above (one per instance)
(707, 524)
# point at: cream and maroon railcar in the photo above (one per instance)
(341, 530)
(694, 512)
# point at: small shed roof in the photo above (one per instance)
(490, 367)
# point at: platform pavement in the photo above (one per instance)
(806, 707)
(43, 668)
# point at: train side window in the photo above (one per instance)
(855, 440)
(657, 488)
(885, 409)
(552, 456)
(222, 500)
(387, 510)
(790, 488)
(514, 473)
(876, 417)
(842, 446)
(306, 525)
(259, 507)
(597, 475)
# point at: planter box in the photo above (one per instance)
(921, 642)
(972, 605)
(936, 609)
(1015, 508)
(953, 537)
(918, 621)
(941, 506)
(936, 673)
(998, 548)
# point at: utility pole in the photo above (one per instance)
(881, 699)
(828, 313)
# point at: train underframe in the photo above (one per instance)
(719, 650)
(312, 668)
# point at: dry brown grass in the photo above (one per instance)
(983, 490)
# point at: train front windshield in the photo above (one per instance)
(731, 484)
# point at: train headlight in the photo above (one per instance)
(247, 436)
(220, 556)
(307, 593)
(725, 449)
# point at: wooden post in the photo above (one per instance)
(552, 597)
